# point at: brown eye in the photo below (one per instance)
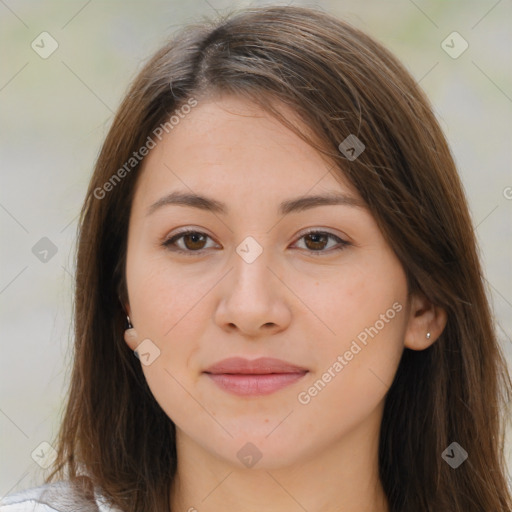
(317, 242)
(192, 241)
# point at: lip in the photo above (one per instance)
(262, 376)
(260, 366)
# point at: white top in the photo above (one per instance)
(54, 497)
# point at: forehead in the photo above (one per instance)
(228, 147)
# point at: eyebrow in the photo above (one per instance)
(298, 204)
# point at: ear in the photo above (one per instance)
(131, 338)
(130, 335)
(424, 318)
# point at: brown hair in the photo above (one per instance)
(340, 82)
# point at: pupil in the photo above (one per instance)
(315, 238)
(194, 237)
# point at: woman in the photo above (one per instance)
(275, 228)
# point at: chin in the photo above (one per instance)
(259, 451)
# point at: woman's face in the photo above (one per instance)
(250, 282)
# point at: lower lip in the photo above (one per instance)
(254, 385)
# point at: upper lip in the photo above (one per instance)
(260, 366)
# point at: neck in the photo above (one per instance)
(343, 477)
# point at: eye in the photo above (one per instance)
(194, 242)
(317, 241)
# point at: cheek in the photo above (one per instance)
(168, 311)
(165, 298)
(354, 297)
(364, 311)
(354, 374)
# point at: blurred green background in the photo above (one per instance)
(56, 111)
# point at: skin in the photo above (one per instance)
(300, 300)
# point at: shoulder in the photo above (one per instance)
(62, 496)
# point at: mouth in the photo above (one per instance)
(263, 376)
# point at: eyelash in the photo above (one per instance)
(171, 241)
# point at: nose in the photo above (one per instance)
(254, 300)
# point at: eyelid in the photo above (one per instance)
(317, 229)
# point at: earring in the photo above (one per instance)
(130, 326)
(428, 335)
